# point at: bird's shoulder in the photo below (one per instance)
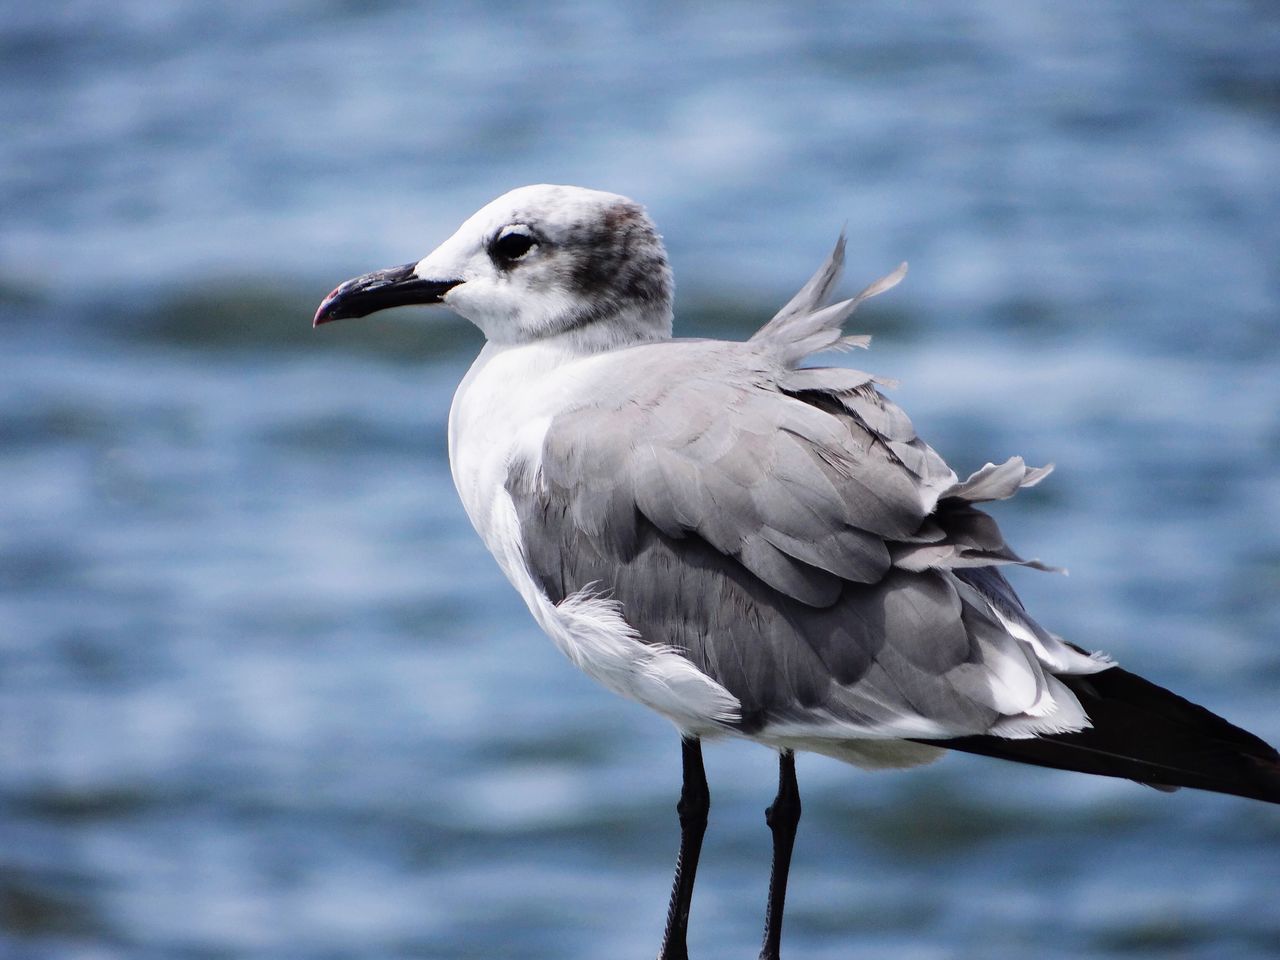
(803, 476)
(733, 407)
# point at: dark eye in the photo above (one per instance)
(511, 245)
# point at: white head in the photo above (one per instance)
(538, 262)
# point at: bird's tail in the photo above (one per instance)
(1145, 733)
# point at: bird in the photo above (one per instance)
(754, 544)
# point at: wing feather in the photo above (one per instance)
(787, 531)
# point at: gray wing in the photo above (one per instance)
(787, 531)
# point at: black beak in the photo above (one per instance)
(380, 290)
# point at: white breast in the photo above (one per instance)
(500, 412)
(500, 416)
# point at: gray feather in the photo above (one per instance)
(814, 293)
(783, 528)
(804, 327)
(999, 481)
(754, 529)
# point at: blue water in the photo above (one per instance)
(262, 692)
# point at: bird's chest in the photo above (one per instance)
(500, 416)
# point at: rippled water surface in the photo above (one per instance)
(262, 692)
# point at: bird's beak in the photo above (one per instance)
(393, 287)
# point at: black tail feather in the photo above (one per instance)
(1145, 733)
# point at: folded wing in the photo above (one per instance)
(786, 530)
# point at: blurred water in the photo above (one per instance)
(263, 694)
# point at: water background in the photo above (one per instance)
(262, 692)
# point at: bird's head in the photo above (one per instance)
(537, 262)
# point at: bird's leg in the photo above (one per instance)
(782, 816)
(695, 801)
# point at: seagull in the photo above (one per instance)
(753, 545)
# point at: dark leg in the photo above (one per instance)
(695, 801)
(782, 816)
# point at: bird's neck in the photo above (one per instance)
(603, 336)
(589, 334)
